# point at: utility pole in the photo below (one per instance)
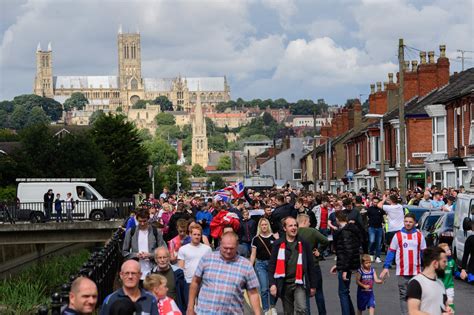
(401, 109)
(314, 148)
(462, 56)
(177, 182)
(275, 158)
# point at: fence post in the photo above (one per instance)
(55, 304)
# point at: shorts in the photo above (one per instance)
(450, 294)
(365, 300)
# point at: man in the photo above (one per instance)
(130, 274)
(395, 214)
(282, 210)
(375, 221)
(406, 247)
(354, 216)
(190, 254)
(164, 194)
(82, 297)
(315, 240)
(300, 209)
(220, 279)
(141, 243)
(437, 202)
(177, 287)
(425, 202)
(48, 199)
(291, 277)
(426, 293)
(347, 241)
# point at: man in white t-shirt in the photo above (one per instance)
(190, 254)
(395, 214)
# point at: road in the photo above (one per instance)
(386, 295)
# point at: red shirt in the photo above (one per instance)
(324, 218)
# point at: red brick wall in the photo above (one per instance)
(372, 103)
(419, 138)
(443, 71)
(450, 130)
(380, 102)
(427, 78)
(411, 85)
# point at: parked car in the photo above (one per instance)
(418, 211)
(464, 214)
(442, 230)
(427, 221)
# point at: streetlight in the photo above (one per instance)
(382, 150)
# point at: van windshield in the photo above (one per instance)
(85, 193)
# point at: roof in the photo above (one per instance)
(153, 84)
(459, 85)
(206, 83)
(82, 82)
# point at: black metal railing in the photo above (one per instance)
(102, 268)
(36, 212)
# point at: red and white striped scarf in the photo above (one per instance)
(280, 265)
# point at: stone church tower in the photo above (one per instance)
(200, 153)
(44, 72)
(130, 80)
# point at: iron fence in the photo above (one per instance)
(37, 212)
(102, 268)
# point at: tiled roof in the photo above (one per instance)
(85, 82)
(460, 84)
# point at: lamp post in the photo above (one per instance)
(382, 150)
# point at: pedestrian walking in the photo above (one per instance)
(291, 277)
(448, 275)
(406, 247)
(375, 217)
(157, 285)
(220, 280)
(82, 297)
(425, 292)
(365, 279)
(262, 245)
(395, 213)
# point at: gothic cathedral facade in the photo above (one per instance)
(109, 92)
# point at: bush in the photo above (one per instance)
(7, 193)
(33, 287)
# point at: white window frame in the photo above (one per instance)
(445, 178)
(375, 149)
(437, 134)
(455, 127)
(357, 161)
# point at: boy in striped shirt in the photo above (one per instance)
(406, 247)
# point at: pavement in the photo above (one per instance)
(386, 295)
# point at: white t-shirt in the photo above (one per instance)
(396, 215)
(191, 255)
(145, 264)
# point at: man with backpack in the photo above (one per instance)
(140, 243)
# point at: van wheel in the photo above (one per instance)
(36, 218)
(97, 215)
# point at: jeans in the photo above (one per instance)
(59, 216)
(294, 299)
(319, 294)
(402, 290)
(375, 241)
(261, 269)
(347, 308)
(327, 250)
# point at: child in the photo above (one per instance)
(156, 284)
(450, 271)
(365, 278)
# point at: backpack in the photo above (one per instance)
(132, 232)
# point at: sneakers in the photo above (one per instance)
(371, 258)
(273, 311)
(378, 260)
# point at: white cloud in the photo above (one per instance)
(326, 28)
(285, 9)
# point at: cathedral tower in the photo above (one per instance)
(129, 67)
(200, 154)
(44, 72)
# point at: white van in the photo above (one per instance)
(89, 203)
(464, 213)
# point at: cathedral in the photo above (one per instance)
(110, 92)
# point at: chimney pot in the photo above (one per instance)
(442, 51)
(422, 57)
(372, 88)
(379, 86)
(407, 66)
(431, 57)
(414, 65)
(385, 85)
(390, 78)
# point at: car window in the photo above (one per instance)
(430, 221)
(450, 220)
(85, 193)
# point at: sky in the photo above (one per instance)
(306, 49)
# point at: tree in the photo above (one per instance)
(224, 163)
(7, 135)
(51, 107)
(19, 117)
(7, 106)
(218, 142)
(126, 158)
(304, 107)
(161, 152)
(165, 119)
(218, 181)
(140, 104)
(145, 134)
(95, 115)
(280, 103)
(164, 102)
(37, 116)
(198, 171)
(77, 101)
(167, 177)
(267, 118)
(167, 132)
(119, 109)
(4, 119)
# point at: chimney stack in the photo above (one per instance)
(422, 57)
(431, 57)
(414, 65)
(443, 66)
(372, 99)
(357, 112)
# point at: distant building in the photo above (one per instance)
(200, 152)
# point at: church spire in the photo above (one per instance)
(38, 48)
(200, 154)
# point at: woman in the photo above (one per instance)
(262, 245)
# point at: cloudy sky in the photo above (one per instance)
(314, 49)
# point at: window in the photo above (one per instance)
(375, 150)
(357, 155)
(297, 174)
(455, 127)
(471, 133)
(439, 136)
(134, 84)
(450, 179)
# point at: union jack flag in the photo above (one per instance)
(222, 195)
(237, 190)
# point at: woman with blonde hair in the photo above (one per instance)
(262, 245)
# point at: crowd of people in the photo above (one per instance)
(189, 254)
